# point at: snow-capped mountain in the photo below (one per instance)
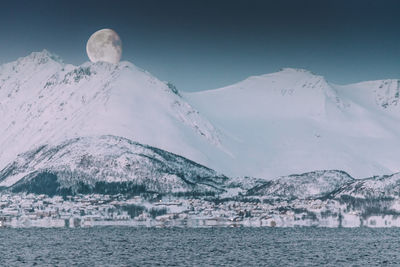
(294, 121)
(107, 164)
(44, 101)
(268, 126)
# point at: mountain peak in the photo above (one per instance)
(45, 101)
(295, 70)
(42, 57)
(43, 61)
(286, 75)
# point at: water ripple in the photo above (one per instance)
(116, 246)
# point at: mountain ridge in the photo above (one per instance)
(298, 122)
(267, 126)
(46, 101)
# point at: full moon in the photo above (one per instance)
(104, 45)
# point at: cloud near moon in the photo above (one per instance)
(104, 45)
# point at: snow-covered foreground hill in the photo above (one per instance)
(294, 121)
(107, 165)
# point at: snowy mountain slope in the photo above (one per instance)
(303, 186)
(378, 187)
(294, 121)
(44, 101)
(282, 94)
(85, 163)
(379, 95)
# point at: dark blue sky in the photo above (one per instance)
(209, 44)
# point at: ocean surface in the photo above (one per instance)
(119, 246)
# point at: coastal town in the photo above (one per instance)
(30, 210)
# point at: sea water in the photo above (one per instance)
(120, 246)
